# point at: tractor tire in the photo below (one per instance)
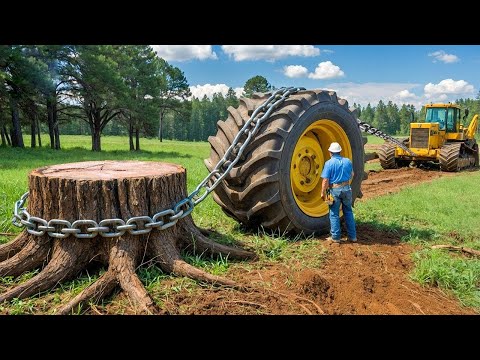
(386, 155)
(449, 155)
(277, 184)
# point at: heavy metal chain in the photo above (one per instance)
(371, 130)
(162, 220)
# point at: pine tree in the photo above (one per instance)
(368, 114)
(380, 120)
(256, 84)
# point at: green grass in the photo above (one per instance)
(453, 273)
(444, 211)
(373, 166)
(372, 140)
(445, 205)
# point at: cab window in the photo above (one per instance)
(437, 115)
(451, 120)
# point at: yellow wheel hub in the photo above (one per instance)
(309, 156)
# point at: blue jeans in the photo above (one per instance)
(343, 196)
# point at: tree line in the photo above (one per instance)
(127, 90)
(49, 86)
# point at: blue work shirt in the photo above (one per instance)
(337, 170)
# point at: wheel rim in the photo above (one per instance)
(309, 156)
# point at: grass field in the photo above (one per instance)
(445, 211)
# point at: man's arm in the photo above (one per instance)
(324, 188)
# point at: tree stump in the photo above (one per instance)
(98, 190)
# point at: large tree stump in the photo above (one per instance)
(98, 190)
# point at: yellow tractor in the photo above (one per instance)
(441, 139)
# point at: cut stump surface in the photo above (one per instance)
(98, 190)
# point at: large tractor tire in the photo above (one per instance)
(458, 156)
(386, 155)
(449, 155)
(277, 184)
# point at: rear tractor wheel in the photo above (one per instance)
(386, 155)
(277, 184)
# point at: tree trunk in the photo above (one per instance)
(98, 190)
(57, 136)
(56, 132)
(17, 137)
(137, 139)
(9, 142)
(96, 145)
(50, 121)
(130, 137)
(2, 133)
(160, 127)
(38, 133)
(33, 139)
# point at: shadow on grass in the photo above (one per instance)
(225, 239)
(369, 232)
(373, 232)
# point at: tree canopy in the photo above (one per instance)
(256, 84)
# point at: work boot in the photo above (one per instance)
(330, 241)
(352, 240)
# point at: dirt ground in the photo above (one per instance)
(390, 181)
(369, 277)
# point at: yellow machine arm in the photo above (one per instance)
(472, 128)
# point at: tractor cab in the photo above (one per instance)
(446, 115)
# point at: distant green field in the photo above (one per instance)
(444, 211)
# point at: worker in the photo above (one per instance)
(336, 174)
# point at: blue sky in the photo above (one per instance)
(413, 74)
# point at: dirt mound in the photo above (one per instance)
(369, 277)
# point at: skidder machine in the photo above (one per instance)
(442, 139)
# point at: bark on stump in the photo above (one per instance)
(97, 190)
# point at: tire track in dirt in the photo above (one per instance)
(393, 180)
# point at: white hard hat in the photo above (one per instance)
(335, 147)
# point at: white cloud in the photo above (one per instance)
(199, 91)
(238, 91)
(268, 52)
(326, 70)
(442, 56)
(405, 94)
(295, 71)
(364, 93)
(402, 93)
(184, 52)
(448, 89)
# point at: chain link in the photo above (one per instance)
(138, 225)
(371, 130)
